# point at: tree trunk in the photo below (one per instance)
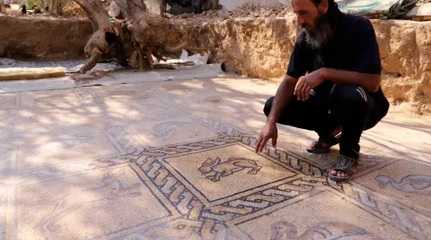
(131, 41)
(55, 7)
(96, 12)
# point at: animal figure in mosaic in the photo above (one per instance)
(166, 130)
(113, 187)
(215, 169)
(284, 230)
(418, 184)
(404, 218)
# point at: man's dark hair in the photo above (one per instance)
(333, 10)
(331, 5)
(330, 2)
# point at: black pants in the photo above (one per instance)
(350, 107)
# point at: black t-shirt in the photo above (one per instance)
(353, 48)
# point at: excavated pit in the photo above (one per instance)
(43, 37)
(257, 46)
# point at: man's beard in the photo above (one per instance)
(320, 34)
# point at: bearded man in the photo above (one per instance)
(332, 85)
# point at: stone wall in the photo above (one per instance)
(231, 5)
(43, 37)
(406, 54)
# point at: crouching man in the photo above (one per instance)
(332, 85)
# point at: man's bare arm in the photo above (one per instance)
(371, 82)
(283, 96)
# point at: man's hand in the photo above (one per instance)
(268, 132)
(306, 83)
(302, 89)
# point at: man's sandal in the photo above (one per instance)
(342, 171)
(323, 146)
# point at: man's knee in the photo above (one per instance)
(352, 97)
(268, 106)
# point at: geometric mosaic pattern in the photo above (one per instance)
(154, 166)
(198, 179)
(168, 172)
(415, 223)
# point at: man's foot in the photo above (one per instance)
(323, 146)
(342, 171)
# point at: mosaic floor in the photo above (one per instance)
(174, 159)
